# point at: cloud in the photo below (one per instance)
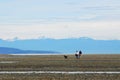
(33, 19)
(60, 30)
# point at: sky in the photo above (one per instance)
(59, 19)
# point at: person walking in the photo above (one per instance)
(76, 55)
(80, 53)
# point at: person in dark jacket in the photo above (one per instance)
(80, 53)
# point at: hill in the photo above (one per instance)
(6, 50)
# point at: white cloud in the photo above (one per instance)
(59, 30)
(32, 19)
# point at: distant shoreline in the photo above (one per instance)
(37, 54)
(59, 54)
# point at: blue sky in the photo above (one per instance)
(59, 19)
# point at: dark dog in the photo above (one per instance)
(65, 56)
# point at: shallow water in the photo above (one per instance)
(60, 72)
(8, 62)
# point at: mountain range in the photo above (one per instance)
(87, 45)
(6, 50)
